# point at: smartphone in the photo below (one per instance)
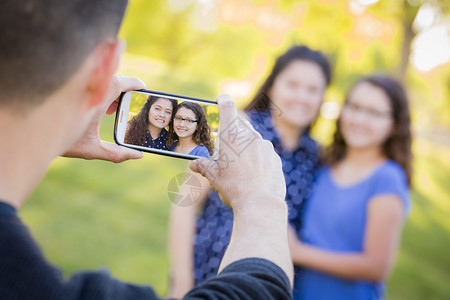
(167, 124)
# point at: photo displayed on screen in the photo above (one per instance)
(165, 123)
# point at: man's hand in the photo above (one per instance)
(242, 176)
(249, 178)
(90, 146)
(295, 245)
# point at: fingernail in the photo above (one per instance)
(137, 155)
(222, 97)
(193, 165)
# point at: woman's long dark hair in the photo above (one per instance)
(397, 146)
(202, 135)
(138, 125)
(261, 101)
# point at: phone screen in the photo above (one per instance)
(167, 124)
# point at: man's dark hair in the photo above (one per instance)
(44, 42)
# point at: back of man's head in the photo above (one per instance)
(43, 42)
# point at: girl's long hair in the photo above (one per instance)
(138, 125)
(261, 100)
(397, 146)
(202, 135)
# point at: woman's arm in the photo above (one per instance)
(181, 234)
(382, 235)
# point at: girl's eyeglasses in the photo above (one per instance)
(180, 119)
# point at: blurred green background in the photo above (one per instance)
(93, 214)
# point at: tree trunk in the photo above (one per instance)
(410, 13)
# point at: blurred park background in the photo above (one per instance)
(93, 214)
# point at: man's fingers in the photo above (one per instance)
(206, 167)
(131, 154)
(250, 127)
(129, 83)
(121, 84)
(112, 108)
(118, 154)
(227, 111)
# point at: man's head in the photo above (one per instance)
(44, 42)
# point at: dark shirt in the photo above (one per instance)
(25, 274)
(158, 143)
(215, 224)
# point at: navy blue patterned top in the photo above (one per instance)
(159, 143)
(216, 221)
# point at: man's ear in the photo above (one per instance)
(106, 60)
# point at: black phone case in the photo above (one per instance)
(151, 150)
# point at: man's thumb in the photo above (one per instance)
(118, 154)
(206, 167)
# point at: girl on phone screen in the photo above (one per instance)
(191, 133)
(353, 219)
(282, 110)
(147, 128)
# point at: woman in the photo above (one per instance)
(147, 128)
(191, 134)
(283, 110)
(354, 217)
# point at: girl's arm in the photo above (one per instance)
(181, 235)
(382, 235)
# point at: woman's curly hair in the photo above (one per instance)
(138, 125)
(202, 135)
(397, 146)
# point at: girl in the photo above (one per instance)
(354, 217)
(147, 128)
(283, 110)
(192, 134)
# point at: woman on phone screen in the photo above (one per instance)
(147, 128)
(191, 133)
(353, 219)
(282, 110)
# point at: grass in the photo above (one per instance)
(94, 214)
(423, 263)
